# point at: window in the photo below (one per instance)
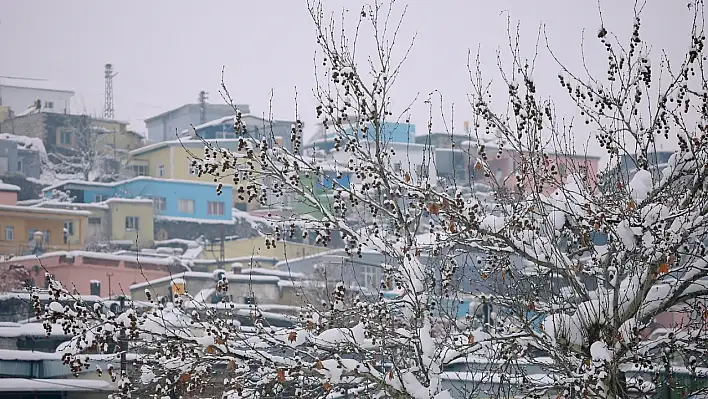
(65, 137)
(9, 233)
(499, 175)
(186, 206)
(370, 274)
(19, 165)
(140, 170)
(94, 220)
(100, 198)
(159, 203)
(132, 223)
(49, 104)
(161, 171)
(215, 208)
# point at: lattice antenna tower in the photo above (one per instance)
(108, 110)
(203, 96)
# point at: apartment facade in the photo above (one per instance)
(180, 208)
(173, 160)
(30, 230)
(167, 125)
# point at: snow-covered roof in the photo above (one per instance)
(31, 329)
(242, 278)
(66, 205)
(8, 187)
(24, 142)
(119, 183)
(44, 211)
(187, 142)
(178, 241)
(193, 220)
(227, 119)
(271, 272)
(210, 107)
(35, 84)
(96, 255)
(129, 200)
(55, 385)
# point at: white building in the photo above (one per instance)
(22, 93)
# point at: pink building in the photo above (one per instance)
(78, 269)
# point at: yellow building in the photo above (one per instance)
(141, 210)
(173, 160)
(256, 247)
(26, 230)
(107, 221)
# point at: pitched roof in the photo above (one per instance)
(119, 183)
(30, 83)
(215, 107)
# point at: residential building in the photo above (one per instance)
(115, 222)
(174, 159)
(21, 155)
(243, 288)
(182, 208)
(256, 246)
(101, 141)
(391, 132)
(110, 274)
(456, 154)
(21, 93)
(167, 125)
(257, 128)
(29, 230)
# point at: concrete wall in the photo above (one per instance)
(24, 225)
(17, 160)
(173, 191)
(119, 211)
(8, 197)
(256, 246)
(79, 271)
(21, 98)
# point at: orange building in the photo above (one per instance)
(27, 230)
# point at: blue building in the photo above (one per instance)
(391, 132)
(178, 199)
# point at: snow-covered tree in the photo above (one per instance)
(14, 278)
(574, 269)
(92, 156)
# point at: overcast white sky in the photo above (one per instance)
(165, 51)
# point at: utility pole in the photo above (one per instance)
(222, 247)
(109, 284)
(123, 342)
(485, 311)
(203, 96)
(108, 110)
